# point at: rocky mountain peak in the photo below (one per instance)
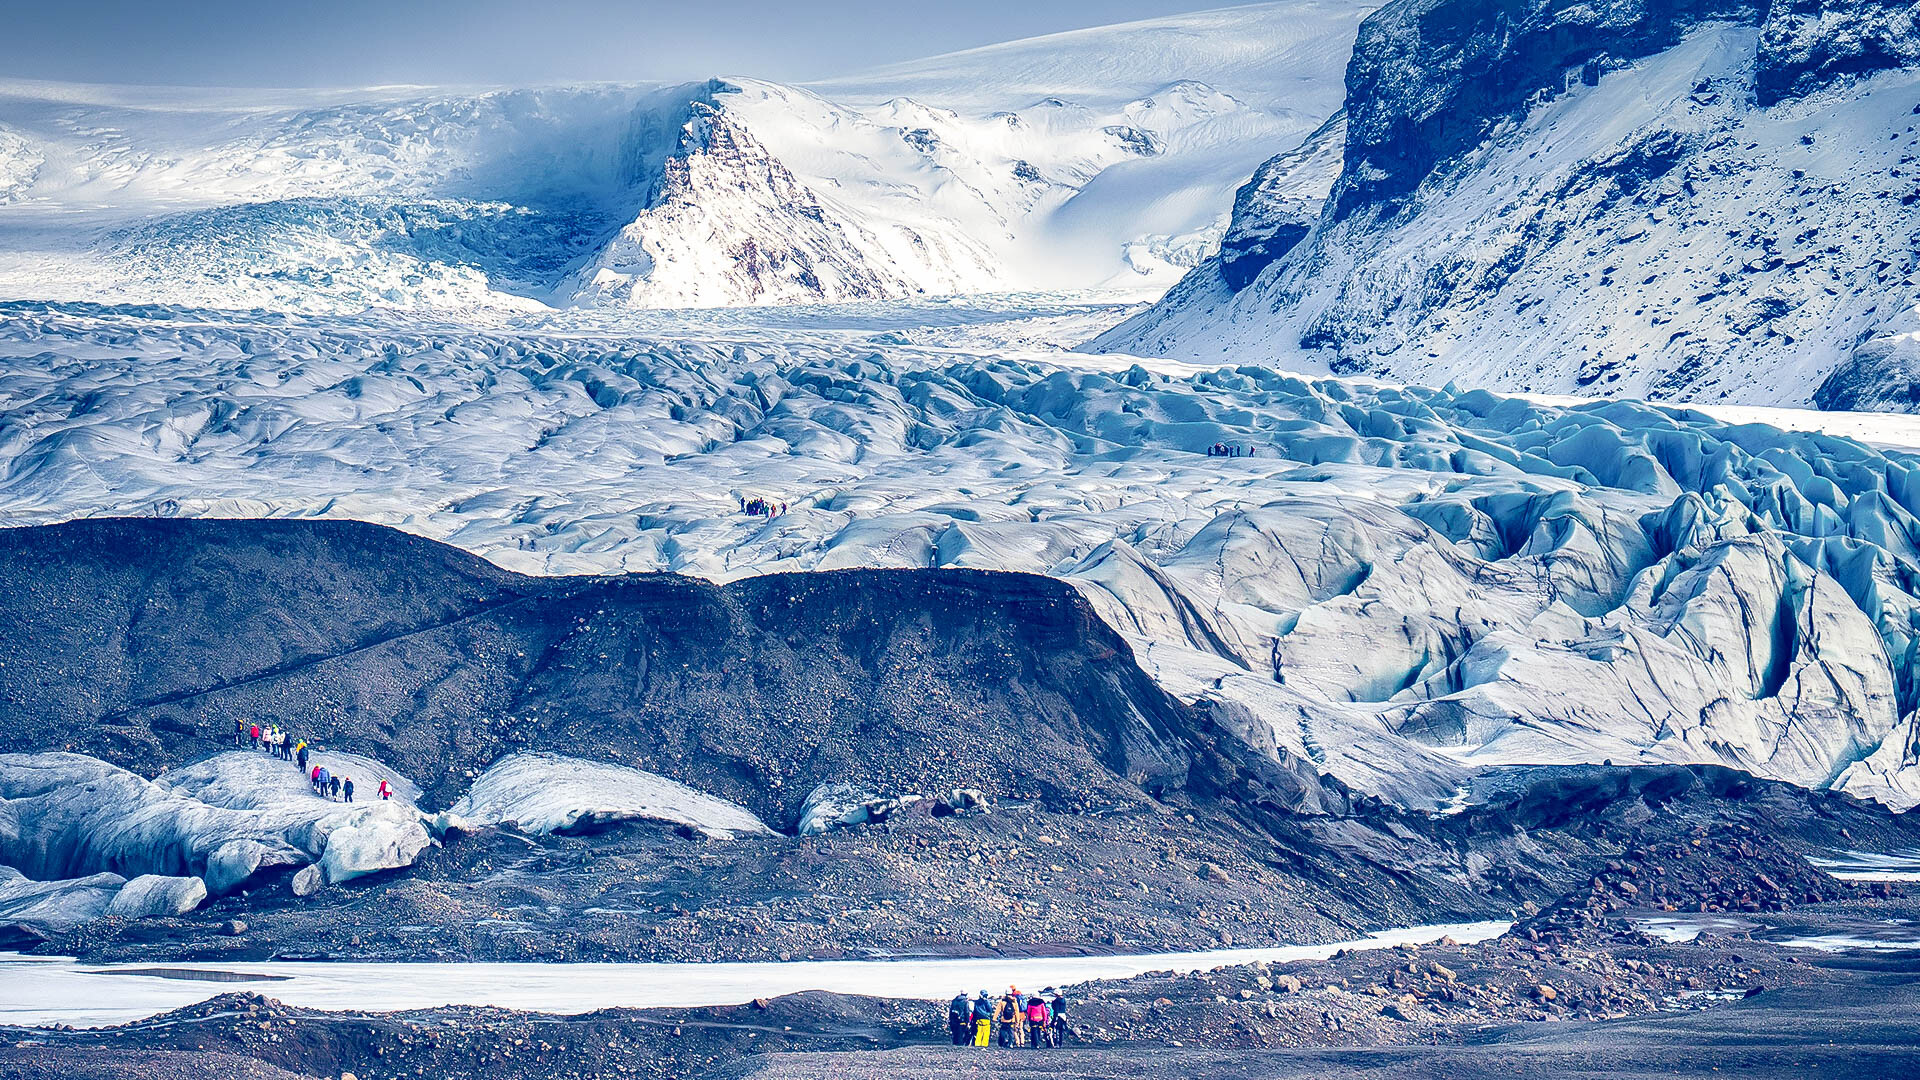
(1429, 78)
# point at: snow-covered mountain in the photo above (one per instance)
(1392, 585)
(1104, 158)
(1659, 198)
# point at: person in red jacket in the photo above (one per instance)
(1039, 1021)
(386, 791)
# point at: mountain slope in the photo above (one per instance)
(1101, 159)
(1623, 205)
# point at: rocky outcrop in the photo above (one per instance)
(1883, 372)
(1558, 197)
(1807, 44)
(1277, 208)
(1430, 78)
(726, 222)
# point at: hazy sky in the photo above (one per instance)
(368, 42)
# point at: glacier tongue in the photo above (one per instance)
(1103, 159)
(72, 827)
(1401, 584)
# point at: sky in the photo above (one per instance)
(350, 43)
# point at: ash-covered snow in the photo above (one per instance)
(1398, 584)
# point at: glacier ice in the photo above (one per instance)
(66, 815)
(63, 903)
(1106, 165)
(1402, 583)
(157, 894)
(545, 793)
(81, 839)
(59, 904)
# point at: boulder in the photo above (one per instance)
(307, 881)
(155, 896)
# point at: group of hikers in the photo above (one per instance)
(1016, 1019)
(271, 739)
(1228, 450)
(759, 507)
(281, 744)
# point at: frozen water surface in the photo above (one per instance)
(43, 992)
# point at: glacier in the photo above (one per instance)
(1099, 159)
(577, 331)
(82, 839)
(1396, 584)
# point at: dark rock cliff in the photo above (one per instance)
(1806, 44)
(141, 641)
(1430, 78)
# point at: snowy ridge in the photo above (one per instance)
(978, 172)
(1646, 228)
(1398, 582)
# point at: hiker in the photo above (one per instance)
(1011, 1019)
(386, 791)
(333, 787)
(1057, 1007)
(254, 733)
(960, 1019)
(982, 1019)
(300, 755)
(239, 732)
(1039, 1021)
(348, 789)
(320, 785)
